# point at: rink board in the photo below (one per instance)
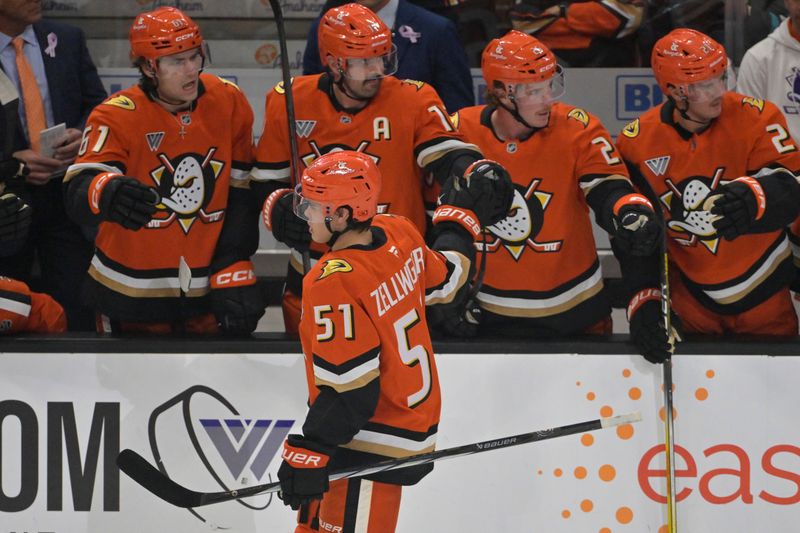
(217, 420)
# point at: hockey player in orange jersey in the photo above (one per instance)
(543, 275)
(370, 367)
(358, 105)
(722, 167)
(163, 170)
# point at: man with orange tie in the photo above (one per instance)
(57, 82)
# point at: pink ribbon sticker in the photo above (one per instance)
(52, 42)
(409, 33)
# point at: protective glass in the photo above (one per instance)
(710, 89)
(539, 93)
(309, 210)
(371, 68)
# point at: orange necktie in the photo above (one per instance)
(32, 98)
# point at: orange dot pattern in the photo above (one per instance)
(674, 414)
(565, 513)
(606, 411)
(591, 396)
(634, 393)
(587, 506)
(557, 472)
(607, 473)
(624, 515)
(580, 472)
(626, 373)
(625, 431)
(701, 394)
(587, 439)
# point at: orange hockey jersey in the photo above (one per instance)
(542, 263)
(22, 310)
(192, 159)
(587, 27)
(749, 138)
(403, 128)
(373, 385)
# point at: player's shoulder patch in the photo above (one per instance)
(229, 83)
(418, 84)
(121, 101)
(279, 87)
(631, 130)
(580, 115)
(455, 119)
(332, 266)
(753, 102)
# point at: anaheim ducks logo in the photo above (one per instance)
(525, 219)
(332, 266)
(185, 186)
(688, 215)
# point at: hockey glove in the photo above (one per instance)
(280, 220)
(462, 323)
(236, 299)
(122, 200)
(485, 189)
(647, 327)
(303, 474)
(15, 221)
(741, 203)
(638, 232)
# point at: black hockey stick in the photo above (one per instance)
(288, 94)
(149, 477)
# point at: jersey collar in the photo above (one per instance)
(667, 117)
(325, 84)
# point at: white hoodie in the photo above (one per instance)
(770, 70)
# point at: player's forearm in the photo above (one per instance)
(76, 197)
(238, 239)
(336, 417)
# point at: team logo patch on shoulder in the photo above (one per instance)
(632, 129)
(332, 266)
(229, 82)
(279, 88)
(580, 115)
(418, 84)
(121, 101)
(754, 102)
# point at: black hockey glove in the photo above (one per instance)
(638, 232)
(236, 299)
(15, 222)
(485, 189)
(280, 220)
(303, 474)
(647, 326)
(463, 324)
(741, 203)
(122, 199)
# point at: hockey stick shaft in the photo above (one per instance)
(290, 109)
(148, 476)
(666, 381)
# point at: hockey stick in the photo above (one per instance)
(290, 114)
(666, 381)
(149, 477)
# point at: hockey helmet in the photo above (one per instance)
(685, 57)
(522, 65)
(162, 32)
(354, 35)
(338, 179)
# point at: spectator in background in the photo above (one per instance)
(763, 16)
(721, 167)
(770, 70)
(49, 64)
(427, 44)
(597, 33)
(20, 309)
